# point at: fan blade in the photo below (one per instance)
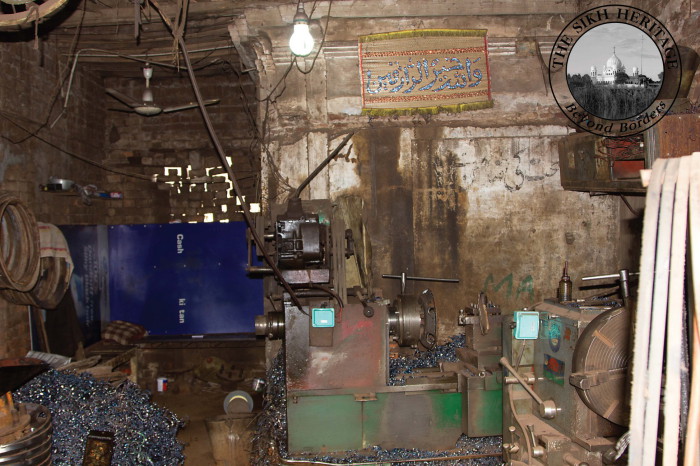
(123, 98)
(177, 108)
(125, 110)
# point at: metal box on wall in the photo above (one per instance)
(595, 164)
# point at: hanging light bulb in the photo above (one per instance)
(301, 43)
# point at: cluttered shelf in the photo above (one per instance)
(86, 192)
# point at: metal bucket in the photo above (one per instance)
(230, 437)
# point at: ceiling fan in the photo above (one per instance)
(146, 106)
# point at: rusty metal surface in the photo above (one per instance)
(358, 357)
(584, 169)
(677, 135)
(575, 430)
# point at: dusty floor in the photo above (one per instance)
(195, 409)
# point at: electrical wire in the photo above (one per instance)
(329, 292)
(59, 83)
(10, 119)
(137, 58)
(323, 39)
(322, 165)
(634, 211)
(222, 155)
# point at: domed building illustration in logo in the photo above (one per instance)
(616, 73)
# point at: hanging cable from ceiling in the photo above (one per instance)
(229, 170)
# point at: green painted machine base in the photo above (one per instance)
(482, 398)
(426, 420)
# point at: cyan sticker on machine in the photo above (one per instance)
(323, 317)
(527, 325)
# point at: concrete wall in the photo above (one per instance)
(473, 195)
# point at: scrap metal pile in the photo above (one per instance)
(270, 439)
(402, 367)
(144, 433)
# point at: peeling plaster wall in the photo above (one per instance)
(474, 195)
(481, 205)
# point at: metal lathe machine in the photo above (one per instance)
(551, 379)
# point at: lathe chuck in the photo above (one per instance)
(600, 364)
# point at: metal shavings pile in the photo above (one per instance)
(404, 365)
(270, 438)
(465, 446)
(144, 433)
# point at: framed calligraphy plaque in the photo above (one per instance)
(424, 71)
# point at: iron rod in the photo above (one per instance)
(606, 277)
(424, 279)
(322, 165)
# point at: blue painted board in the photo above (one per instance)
(183, 278)
(88, 245)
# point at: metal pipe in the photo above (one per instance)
(133, 56)
(259, 269)
(607, 277)
(322, 165)
(407, 460)
(424, 279)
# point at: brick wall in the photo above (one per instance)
(28, 88)
(129, 146)
(177, 147)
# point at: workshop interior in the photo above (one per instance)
(368, 232)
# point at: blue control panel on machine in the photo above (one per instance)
(527, 325)
(323, 317)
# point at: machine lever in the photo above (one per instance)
(403, 277)
(537, 450)
(548, 409)
(623, 275)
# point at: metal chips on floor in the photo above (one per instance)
(144, 433)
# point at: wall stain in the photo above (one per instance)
(510, 167)
(9, 158)
(525, 287)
